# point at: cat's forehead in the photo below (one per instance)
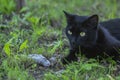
(80, 19)
(76, 22)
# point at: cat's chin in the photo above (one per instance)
(88, 45)
(74, 48)
(78, 47)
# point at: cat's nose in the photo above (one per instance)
(73, 43)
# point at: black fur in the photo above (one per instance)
(99, 39)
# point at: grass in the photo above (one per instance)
(41, 30)
(82, 71)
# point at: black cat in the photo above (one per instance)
(91, 38)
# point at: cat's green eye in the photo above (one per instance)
(69, 32)
(82, 34)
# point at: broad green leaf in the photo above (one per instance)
(88, 66)
(24, 9)
(7, 49)
(23, 45)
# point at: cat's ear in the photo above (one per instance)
(91, 22)
(69, 17)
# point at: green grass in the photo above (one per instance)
(90, 70)
(41, 30)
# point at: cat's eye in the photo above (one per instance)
(82, 34)
(69, 32)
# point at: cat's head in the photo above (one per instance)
(81, 30)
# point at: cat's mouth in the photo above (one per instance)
(75, 47)
(88, 45)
